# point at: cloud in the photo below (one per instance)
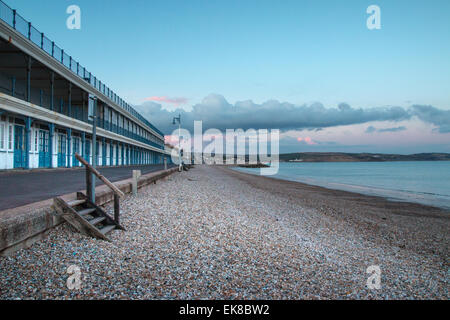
(430, 114)
(372, 129)
(175, 101)
(396, 129)
(216, 112)
(306, 140)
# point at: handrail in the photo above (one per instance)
(100, 176)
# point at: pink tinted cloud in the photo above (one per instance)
(175, 101)
(307, 140)
(170, 139)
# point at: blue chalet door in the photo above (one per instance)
(76, 149)
(62, 150)
(103, 154)
(111, 154)
(87, 151)
(44, 154)
(19, 147)
(97, 153)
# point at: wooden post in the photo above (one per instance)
(134, 184)
(102, 178)
(90, 173)
(89, 185)
(116, 208)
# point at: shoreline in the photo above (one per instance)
(214, 233)
(413, 224)
(319, 188)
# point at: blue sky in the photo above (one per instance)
(299, 52)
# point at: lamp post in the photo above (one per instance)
(93, 115)
(175, 120)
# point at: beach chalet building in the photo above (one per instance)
(45, 95)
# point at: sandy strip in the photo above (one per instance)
(213, 233)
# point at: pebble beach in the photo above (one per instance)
(214, 233)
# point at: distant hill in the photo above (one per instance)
(361, 157)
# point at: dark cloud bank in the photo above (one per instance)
(216, 112)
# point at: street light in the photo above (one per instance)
(92, 112)
(175, 120)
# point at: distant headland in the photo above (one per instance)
(360, 157)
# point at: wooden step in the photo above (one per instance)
(96, 221)
(107, 229)
(86, 211)
(92, 221)
(75, 203)
(78, 221)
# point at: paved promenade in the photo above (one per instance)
(18, 188)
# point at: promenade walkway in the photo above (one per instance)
(18, 188)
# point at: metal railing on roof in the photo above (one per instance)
(17, 22)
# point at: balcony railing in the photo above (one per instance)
(17, 88)
(14, 20)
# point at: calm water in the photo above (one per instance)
(426, 182)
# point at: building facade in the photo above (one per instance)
(45, 98)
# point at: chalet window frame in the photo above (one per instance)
(3, 141)
(10, 137)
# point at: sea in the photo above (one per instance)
(425, 182)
